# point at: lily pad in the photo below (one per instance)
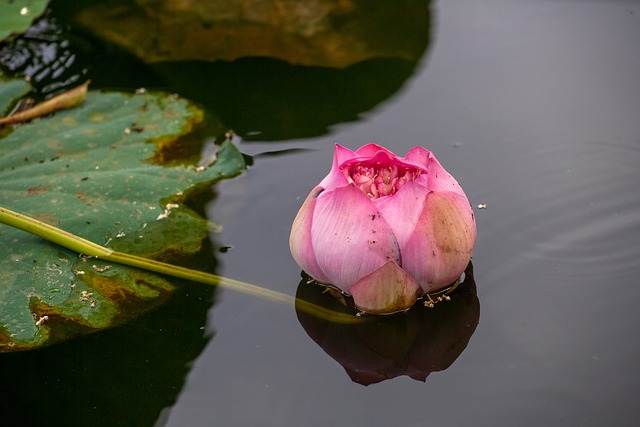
(326, 33)
(17, 15)
(10, 90)
(93, 171)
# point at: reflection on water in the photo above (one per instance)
(266, 99)
(261, 98)
(120, 377)
(48, 56)
(415, 343)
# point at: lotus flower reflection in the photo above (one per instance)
(384, 229)
(422, 341)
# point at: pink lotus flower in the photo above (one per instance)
(384, 229)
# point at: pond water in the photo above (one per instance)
(534, 106)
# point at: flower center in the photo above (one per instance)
(378, 179)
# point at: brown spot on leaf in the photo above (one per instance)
(40, 189)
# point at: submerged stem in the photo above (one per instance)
(86, 247)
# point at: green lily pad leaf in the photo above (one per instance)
(10, 91)
(17, 15)
(94, 171)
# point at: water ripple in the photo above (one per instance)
(569, 203)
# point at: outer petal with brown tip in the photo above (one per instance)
(441, 244)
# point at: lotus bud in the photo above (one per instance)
(384, 229)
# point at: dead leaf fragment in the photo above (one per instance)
(68, 99)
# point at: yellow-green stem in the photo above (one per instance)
(86, 247)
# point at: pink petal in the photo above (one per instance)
(402, 210)
(350, 239)
(441, 244)
(300, 241)
(418, 156)
(336, 177)
(436, 178)
(370, 150)
(381, 155)
(386, 290)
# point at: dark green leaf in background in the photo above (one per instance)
(17, 15)
(88, 171)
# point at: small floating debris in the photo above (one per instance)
(100, 270)
(167, 210)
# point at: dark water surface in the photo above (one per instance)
(534, 106)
